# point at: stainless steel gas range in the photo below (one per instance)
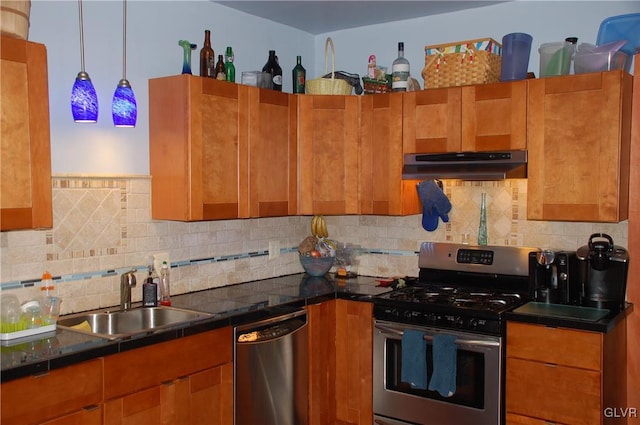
(461, 295)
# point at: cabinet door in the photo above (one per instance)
(25, 152)
(328, 144)
(354, 362)
(273, 179)
(579, 141)
(322, 363)
(494, 117)
(38, 398)
(204, 398)
(431, 120)
(197, 148)
(382, 190)
(142, 407)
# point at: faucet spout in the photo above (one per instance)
(127, 281)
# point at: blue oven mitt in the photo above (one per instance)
(435, 204)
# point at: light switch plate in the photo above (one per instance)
(274, 249)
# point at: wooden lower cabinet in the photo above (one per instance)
(564, 376)
(38, 399)
(184, 381)
(201, 398)
(340, 363)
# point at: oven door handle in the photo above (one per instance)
(459, 341)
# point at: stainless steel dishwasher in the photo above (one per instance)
(270, 371)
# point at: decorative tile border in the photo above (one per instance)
(185, 263)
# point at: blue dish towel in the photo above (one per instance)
(443, 379)
(414, 359)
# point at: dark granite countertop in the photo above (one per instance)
(230, 305)
(566, 316)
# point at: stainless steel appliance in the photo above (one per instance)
(465, 165)
(603, 269)
(554, 277)
(270, 371)
(462, 291)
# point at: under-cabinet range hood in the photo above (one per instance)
(466, 165)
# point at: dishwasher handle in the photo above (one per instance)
(270, 329)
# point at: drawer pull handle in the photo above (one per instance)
(551, 365)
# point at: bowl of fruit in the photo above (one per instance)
(317, 251)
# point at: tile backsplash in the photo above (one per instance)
(103, 227)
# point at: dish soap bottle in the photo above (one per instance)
(165, 292)
(482, 229)
(150, 291)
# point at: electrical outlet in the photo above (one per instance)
(158, 259)
(274, 249)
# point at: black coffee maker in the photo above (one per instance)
(603, 269)
(553, 277)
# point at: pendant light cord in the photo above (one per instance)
(124, 39)
(81, 36)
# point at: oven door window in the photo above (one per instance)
(470, 376)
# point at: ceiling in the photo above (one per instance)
(318, 17)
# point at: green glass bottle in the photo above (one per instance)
(299, 75)
(229, 67)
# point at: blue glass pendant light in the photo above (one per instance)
(124, 108)
(84, 99)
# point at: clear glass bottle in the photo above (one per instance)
(229, 67)
(221, 73)
(207, 57)
(299, 76)
(165, 287)
(273, 68)
(482, 228)
(400, 71)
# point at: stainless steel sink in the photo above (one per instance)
(120, 324)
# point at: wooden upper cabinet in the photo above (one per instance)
(25, 151)
(579, 146)
(273, 178)
(483, 117)
(494, 117)
(328, 145)
(431, 121)
(196, 148)
(382, 190)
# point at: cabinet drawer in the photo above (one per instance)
(88, 416)
(513, 419)
(134, 370)
(61, 391)
(553, 393)
(560, 346)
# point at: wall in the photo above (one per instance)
(102, 223)
(103, 227)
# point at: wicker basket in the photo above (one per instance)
(372, 86)
(462, 63)
(328, 85)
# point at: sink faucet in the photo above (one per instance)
(127, 281)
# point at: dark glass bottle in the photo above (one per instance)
(299, 76)
(207, 57)
(274, 69)
(220, 70)
(229, 67)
